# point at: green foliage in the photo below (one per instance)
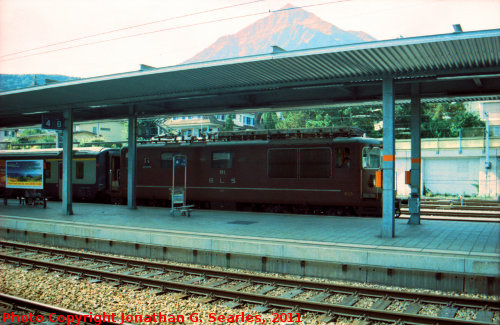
(229, 124)
(33, 136)
(269, 120)
(362, 117)
(438, 120)
(446, 120)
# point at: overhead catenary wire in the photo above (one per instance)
(131, 27)
(160, 30)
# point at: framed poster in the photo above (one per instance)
(24, 174)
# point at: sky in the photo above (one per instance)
(52, 36)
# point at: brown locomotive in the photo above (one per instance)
(325, 171)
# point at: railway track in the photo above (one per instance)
(467, 210)
(265, 292)
(15, 310)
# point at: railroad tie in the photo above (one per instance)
(193, 280)
(381, 304)
(241, 286)
(350, 300)
(261, 309)
(219, 282)
(117, 268)
(320, 297)
(292, 293)
(413, 308)
(172, 277)
(154, 273)
(448, 312)
(265, 289)
(233, 304)
(484, 316)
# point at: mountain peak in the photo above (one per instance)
(291, 28)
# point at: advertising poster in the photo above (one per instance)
(24, 174)
(2, 173)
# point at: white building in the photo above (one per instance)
(488, 111)
(197, 125)
(452, 166)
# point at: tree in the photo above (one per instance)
(447, 120)
(148, 128)
(269, 120)
(438, 120)
(229, 124)
(34, 136)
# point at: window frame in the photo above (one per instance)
(216, 165)
(363, 158)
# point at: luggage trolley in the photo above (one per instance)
(178, 194)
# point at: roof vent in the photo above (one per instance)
(457, 28)
(146, 67)
(277, 49)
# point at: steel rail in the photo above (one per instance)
(264, 279)
(168, 285)
(38, 306)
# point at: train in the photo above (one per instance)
(92, 179)
(329, 171)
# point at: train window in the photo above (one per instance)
(371, 158)
(79, 169)
(282, 163)
(342, 157)
(166, 159)
(47, 169)
(222, 159)
(315, 163)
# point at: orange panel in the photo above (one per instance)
(389, 158)
(408, 177)
(378, 178)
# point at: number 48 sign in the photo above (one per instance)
(53, 122)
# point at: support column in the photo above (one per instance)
(67, 165)
(388, 159)
(415, 121)
(132, 163)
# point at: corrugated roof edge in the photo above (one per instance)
(288, 54)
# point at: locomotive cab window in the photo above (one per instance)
(371, 157)
(342, 157)
(222, 159)
(282, 163)
(315, 163)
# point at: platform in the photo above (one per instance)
(435, 254)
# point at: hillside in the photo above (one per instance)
(290, 29)
(17, 81)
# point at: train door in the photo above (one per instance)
(371, 164)
(114, 172)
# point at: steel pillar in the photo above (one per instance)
(414, 200)
(67, 165)
(132, 151)
(388, 159)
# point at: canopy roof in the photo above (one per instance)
(458, 66)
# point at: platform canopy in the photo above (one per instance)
(458, 66)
